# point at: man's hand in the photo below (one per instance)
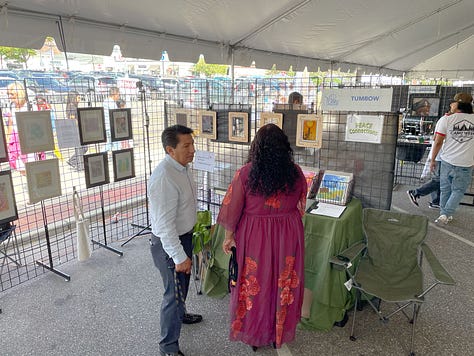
(184, 266)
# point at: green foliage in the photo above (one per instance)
(20, 55)
(291, 72)
(201, 232)
(272, 72)
(209, 70)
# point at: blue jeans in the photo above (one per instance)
(454, 182)
(432, 187)
(172, 306)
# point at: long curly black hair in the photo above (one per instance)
(273, 169)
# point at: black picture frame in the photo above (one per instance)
(123, 164)
(121, 124)
(3, 142)
(91, 125)
(8, 208)
(96, 168)
(418, 108)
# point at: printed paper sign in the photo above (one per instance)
(204, 161)
(364, 128)
(353, 99)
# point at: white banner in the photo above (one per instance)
(357, 99)
(364, 128)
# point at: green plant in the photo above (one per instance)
(201, 232)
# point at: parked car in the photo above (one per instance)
(54, 90)
(153, 86)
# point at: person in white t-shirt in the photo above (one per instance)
(456, 135)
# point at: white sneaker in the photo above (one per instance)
(443, 219)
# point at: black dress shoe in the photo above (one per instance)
(179, 353)
(192, 318)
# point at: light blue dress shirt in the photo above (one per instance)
(173, 204)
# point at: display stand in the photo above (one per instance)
(49, 266)
(105, 245)
(147, 157)
(5, 235)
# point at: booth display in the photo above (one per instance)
(326, 298)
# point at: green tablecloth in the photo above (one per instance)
(326, 297)
(324, 237)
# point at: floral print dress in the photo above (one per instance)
(266, 302)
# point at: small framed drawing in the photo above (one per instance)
(238, 126)
(182, 117)
(8, 209)
(91, 125)
(96, 167)
(271, 118)
(309, 130)
(43, 179)
(335, 187)
(35, 131)
(120, 124)
(3, 142)
(123, 163)
(208, 124)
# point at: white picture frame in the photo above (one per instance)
(238, 126)
(43, 180)
(207, 124)
(271, 118)
(309, 130)
(35, 131)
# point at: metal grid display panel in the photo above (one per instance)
(111, 208)
(114, 207)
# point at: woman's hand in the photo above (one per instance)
(229, 242)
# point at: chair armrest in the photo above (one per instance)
(440, 273)
(348, 255)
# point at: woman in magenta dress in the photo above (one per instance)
(261, 213)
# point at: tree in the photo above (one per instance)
(209, 70)
(291, 72)
(20, 55)
(272, 72)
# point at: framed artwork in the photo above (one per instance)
(335, 187)
(238, 126)
(271, 118)
(123, 163)
(309, 130)
(183, 117)
(8, 209)
(96, 167)
(43, 179)
(120, 124)
(35, 131)
(91, 125)
(424, 105)
(3, 142)
(208, 124)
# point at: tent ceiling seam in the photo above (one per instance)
(398, 29)
(270, 22)
(431, 44)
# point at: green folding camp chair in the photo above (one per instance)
(390, 265)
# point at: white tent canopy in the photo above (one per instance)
(377, 36)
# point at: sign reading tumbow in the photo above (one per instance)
(353, 99)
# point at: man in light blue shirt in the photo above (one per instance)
(172, 198)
